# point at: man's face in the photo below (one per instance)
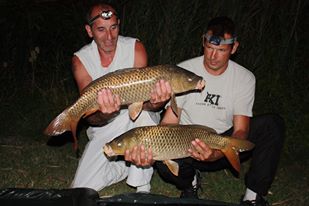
(104, 32)
(216, 57)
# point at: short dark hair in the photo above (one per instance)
(102, 3)
(221, 25)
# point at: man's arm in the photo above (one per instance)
(170, 117)
(140, 56)
(109, 103)
(241, 126)
(80, 74)
(204, 153)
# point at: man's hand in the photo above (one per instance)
(109, 106)
(160, 94)
(108, 102)
(139, 156)
(202, 152)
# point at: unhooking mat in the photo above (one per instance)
(89, 197)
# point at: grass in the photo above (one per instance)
(28, 163)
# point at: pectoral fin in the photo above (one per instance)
(135, 109)
(172, 166)
(93, 109)
(174, 104)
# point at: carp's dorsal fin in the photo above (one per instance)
(135, 109)
(174, 104)
(232, 155)
(172, 166)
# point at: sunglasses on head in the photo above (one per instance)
(216, 40)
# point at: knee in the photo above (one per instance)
(272, 125)
(275, 125)
(276, 121)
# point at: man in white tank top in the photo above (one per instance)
(106, 53)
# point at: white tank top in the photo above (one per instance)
(124, 58)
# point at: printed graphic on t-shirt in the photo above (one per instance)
(212, 101)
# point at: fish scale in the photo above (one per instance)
(133, 85)
(162, 140)
(169, 142)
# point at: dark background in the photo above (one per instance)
(39, 37)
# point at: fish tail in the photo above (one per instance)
(59, 125)
(233, 148)
(62, 123)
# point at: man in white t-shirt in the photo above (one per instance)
(108, 52)
(226, 106)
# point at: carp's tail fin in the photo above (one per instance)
(233, 148)
(62, 123)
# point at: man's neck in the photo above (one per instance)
(216, 72)
(106, 57)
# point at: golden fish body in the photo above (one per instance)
(133, 85)
(169, 142)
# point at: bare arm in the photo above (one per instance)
(241, 126)
(80, 74)
(109, 103)
(140, 56)
(170, 117)
(205, 153)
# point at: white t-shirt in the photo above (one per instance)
(231, 93)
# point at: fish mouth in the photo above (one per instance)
(109, 151)
(200, 84)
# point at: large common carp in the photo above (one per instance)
(133, 85)
(169, 142)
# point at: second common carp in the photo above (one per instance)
(169, 142)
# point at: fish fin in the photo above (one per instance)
(172, 166)
(233, 148)
(90, 112)
(174, 104)
(59, 125)
(73, 129)
(232, 155)
(135, 109)
(62, 123)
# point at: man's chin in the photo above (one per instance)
(109, 49)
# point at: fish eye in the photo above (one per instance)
(190, 80)
(119, 144)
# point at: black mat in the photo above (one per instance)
(89, 197)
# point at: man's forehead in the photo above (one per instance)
(226, 35)
(98, 10)
(103, 15)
